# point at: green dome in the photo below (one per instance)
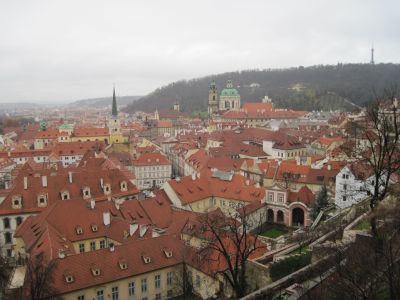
(229, 92)
(66, 126)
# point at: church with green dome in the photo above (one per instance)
(229, 98)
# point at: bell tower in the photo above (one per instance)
(114, 124)
(212, 99)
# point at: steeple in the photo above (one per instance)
(114, 105)
(372, 55)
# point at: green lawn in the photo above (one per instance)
(274, 232)
(364, 224)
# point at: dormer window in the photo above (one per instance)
(16, 202)
(146, 259)
(64, 195)
(167, 252)
(86, 192)
(124, 186)
(123, 264)
(42, 200)
(79, 230)
(96, 271)
(69, 278)
(107, 189)
(94, 227)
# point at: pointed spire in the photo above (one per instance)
(114, 105)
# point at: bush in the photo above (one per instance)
(289, 265)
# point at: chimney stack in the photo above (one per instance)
(70, 177)
(92, 203)
(44, 181)
(25, 183)
(106, 218)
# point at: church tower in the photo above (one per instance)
(114, 124)
(212, 99)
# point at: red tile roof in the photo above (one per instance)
(189, 190)
(151, 159)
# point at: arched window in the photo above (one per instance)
(7, 238)
(18, 220)
(6, 223)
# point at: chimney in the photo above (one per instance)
(142, 230)
(101, 182)
(70, 177)
(198, 175)
(61, 253)
(193, 176)
(112, 247)
(132, 228)
(106, 218)
(329, 167)
(247, 182)
(92, 203)
(25, 183)
(44, 181)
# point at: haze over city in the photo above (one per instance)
(59, 51)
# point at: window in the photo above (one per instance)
(92, 246)
(42, 200)
(102, 244)
(16, 202)
(7, 237)
(198, 281)
(131, 288)
(169, 294)
(169, 278)
(81, 297)
(79, 230)
(345, 186)
(65, 195)
(6, 223)
(144, 285)
(18, 220)
(9, 252)
(158, 296)
(81, 248)
(280, 197)
(100, 295)
(157, 281)
(271, 197)
(344, 198)
(114, 293)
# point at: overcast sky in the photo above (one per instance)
(68, 50)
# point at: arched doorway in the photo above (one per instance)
(270, 215)
(279, 217)
(297, 217)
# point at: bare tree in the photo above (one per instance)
(379, 149)
(229, 246)
(39, 278)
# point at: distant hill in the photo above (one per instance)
(19, 105)
(331, 87)
(104, 102)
